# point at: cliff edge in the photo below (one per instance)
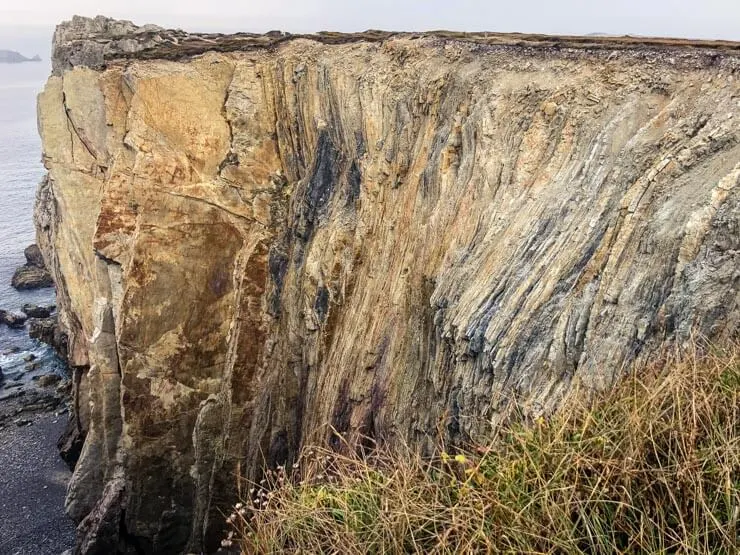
(264, 241)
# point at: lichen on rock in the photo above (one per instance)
(260, 242)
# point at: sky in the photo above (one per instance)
(34, 19)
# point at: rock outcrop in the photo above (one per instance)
(33, 274)
(47, 330)
(14, 320)
(265, 241)
(35, 311)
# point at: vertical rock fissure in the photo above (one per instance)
(397, 236)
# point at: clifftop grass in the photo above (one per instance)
(651, 467)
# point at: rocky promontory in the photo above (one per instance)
(265, 241)
(12, 57)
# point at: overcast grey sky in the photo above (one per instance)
(684, 18)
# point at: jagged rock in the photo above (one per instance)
(99, 532)
(265, 241)
(47, 330)
(34, 257)
(70, 443)
(13, 320)
(35, 311)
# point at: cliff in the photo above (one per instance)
(261, 242)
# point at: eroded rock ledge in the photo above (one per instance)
(263, 241)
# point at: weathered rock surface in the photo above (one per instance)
(34, 256)
(35, 311)
(255, 238)
(48, 330)
(32, 275)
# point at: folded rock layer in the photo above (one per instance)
(261, 242)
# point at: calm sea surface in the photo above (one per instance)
(20, 172)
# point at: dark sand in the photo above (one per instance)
(33, 482)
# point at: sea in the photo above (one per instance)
(20, 172)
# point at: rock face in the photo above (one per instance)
(47, 330)
(265, 241)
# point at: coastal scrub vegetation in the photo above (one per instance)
(652, 466)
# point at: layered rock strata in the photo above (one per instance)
(33, 274)
(261, 242)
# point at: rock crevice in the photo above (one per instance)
(261, 242)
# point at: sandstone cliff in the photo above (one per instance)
(264, 241)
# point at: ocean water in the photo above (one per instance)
(20, 172)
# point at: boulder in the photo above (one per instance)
(13, 320)
(31, 277)
(33, 274)
(47, 331)
(34, 257)
(48, 380)
(35, 311)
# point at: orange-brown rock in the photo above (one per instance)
(264, 241)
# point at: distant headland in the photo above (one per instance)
(11, 57)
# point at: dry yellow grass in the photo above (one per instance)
(652, 467)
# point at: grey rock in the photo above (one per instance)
(99, 531)
(47, 330)
(35, 311)
(33, 274)
(48, 380)
(13, 320)
(31, 277)
(34, 257)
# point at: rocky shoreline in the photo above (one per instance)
(34, 408)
